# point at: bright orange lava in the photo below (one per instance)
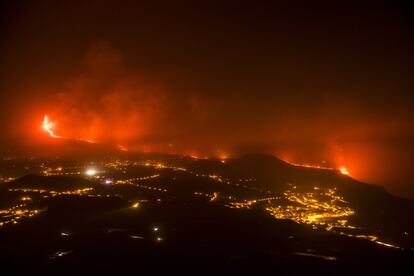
(310, 166)
(49, 126)
(344, 170)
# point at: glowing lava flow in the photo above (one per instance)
(49, 126)
(342, 169)
(310, 166)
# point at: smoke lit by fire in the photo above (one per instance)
(105, 101)
(205, 85)
(344, 170)
(48, 126)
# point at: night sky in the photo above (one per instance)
(324, 84)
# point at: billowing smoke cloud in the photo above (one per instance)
(111, 103)
(108, 103)
(327, 87)
(105, 103)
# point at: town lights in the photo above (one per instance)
(91, 172)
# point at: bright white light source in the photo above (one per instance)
(135, 205)
(155, 229)
(59, 254)
(108, 181)
(64, 234)
(90, 172)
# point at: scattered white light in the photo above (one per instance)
(90, 172)
(136, 237)
(59, 254)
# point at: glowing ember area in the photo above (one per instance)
(48, 126)
(310, 166)
(344, 170)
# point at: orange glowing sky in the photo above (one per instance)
(328, 86)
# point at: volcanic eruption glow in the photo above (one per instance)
(48, 126)
(344, 170)
(341, 169)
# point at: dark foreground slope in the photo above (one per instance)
(82, 235)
